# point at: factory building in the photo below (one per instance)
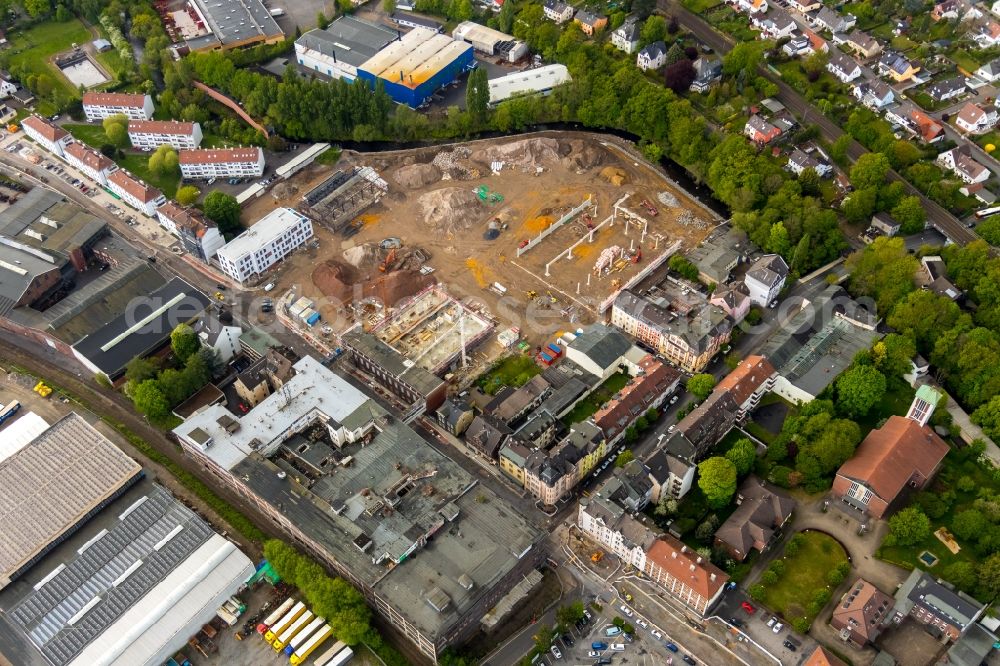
(540, 80)
(340, 49)
(490, 42)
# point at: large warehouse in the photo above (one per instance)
(51, 486)
(132, 594)
(417, 65)
(540, 80)
(340, 49)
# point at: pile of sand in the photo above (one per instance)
(284, 190)
(362, 257)
(525, 153)
(614, 175)
(341, 285)
(579, 154)
(450, 208)
(417, 175)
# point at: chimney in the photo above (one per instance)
(684, 549)
(711, 577)
(699, 559)
(692, 567)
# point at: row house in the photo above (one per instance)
(653, 383)
(8, 85)
(976, 118)
(844, 67)
(652, 56)
(150, 134)
(682, 573)
(199, 236)
(550, 475)
(222, 163)
(960, 161)
(135, 192)
(747, 383)
(603, 519)
(733, 300)
(90, 162)
(833, 21)
(46, 134)
(557, 11)
(101, 105)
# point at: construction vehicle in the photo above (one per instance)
(650, 208)
(179, 659)
(42, 390)
(295, 627)
(12, 128)
(523, 244)
(389, 259)
(307, 648)
(597, 556)
(302, 636)
(531, 293)
(227, 616)
(275, 616)
(282, 624)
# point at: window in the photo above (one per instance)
(860, 492)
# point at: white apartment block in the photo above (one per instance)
(199, 236)
(136, 193)
(606, 523)
(51, 137)
(270, 240)
(222, 163)
(90, 163)
(98, 105)
(149, 134)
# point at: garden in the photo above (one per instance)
(800, 583)
(135, 162)
(514, 371)
(29, 59)
(589, 405)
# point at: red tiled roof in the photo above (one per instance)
(185, 218)
(820, 657)
(44, 127)
(889, 456)
(134, 186)
(929, 128)
(746, 378)
(161, 127)
(113, 99)
(685, 566)
(863, 608)
(219, 155)
(89, 157)
(637, 394)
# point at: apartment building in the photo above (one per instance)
(135, 193)
(551, 475)
(90, 162)
(48, 135)
(149, 134)
(271, 239)
(199, 236)
(222, 163)
(100, 105)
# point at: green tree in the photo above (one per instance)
(116, 129)
(477, 94)
(742, 454)
(962, 575)
(924, 316)
(908, 527)
(883, 270)
(184, 341)
(37, 8)
(869, 170)
(717, 479)
(778, 240)
(389, 6)
(987, 417)
(187, 195)
(969, 524)
(706, 529)
(139, 369)
(909, 212)
(224, 210)
(654, 30)
(859, 389)
(989, 577)
(838, 150)
(569, 614)
(505, 19)
(701, 385)
(892, 355)
(743, 60)
(149, 400)
(322, 22)
(624, 458)
(683, 267)
(675, 53)
(163, 162)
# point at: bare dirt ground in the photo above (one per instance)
(434, 207)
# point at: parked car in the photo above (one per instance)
(626, 610)
(778, 627)
(771, 620)
(656, 634)
(748, 608)
(642, 623)
(269, 286)
(593, 653)
(672, 647)
(688, 660)
(555, 652)
(790, 645)
(735, 622)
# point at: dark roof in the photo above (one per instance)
(710, 421)
(654, 50)
(601, 344)
(769, 270)
(946, 87)
(112, 347)
(938, 598)
(972, 647)
(762, 510)
(486, 435)
(423, 381)
(415, 19)
(349, 39)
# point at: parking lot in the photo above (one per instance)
(763, 628)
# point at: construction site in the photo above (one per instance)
(537, 233)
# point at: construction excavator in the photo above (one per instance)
(389, 259)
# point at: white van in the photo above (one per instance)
(617, 647)
(269, 286)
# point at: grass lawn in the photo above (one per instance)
(700, 6)
(586, 407)
(805, 573)
(111, 61)
(513, 371)
(31, 49)
(92, 135)
(138, 165)
(987, 139)
(965, 60)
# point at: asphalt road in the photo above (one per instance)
(942, 220)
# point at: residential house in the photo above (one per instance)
(671, 472)
(941, 91)
(626, 36)
(960, 161)
(48, 135)
(777, 24)
(936, 278)
(135, 193)
(821, 657)
(882, 224)
(995, 8)
(653, 382)
(150, 134)
(817, 43)
(799, 161)
(930, 130)
(987, 35)
(23, 96)
(100, 105)
(220, 334)
(897, 67)
(861, 43)
(511, 405)
(798, 45)
(760, 131)
(843, 66)
(455, 415)
(935, 603)
(8, 86)
(976, 118)
(733, 300)
(557, 11)
(752, 6)
(539, 429)
(900, 457)
(990, 72)
(746, 384)
(485, 435)
(875, 95)
(652, 56)
(590, 23)
(805, 6)
(199, 236)
(761, 512)
(832, 21)
(952, 10)
(861, 614)
(91, 163)
(551, 475)
(720, 253)
(7, 114)
(605, 518)
(766, 278)
(684, 574)
(707, 72)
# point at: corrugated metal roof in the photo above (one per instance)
(439, 61)
(403, 70)
(391, 54)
